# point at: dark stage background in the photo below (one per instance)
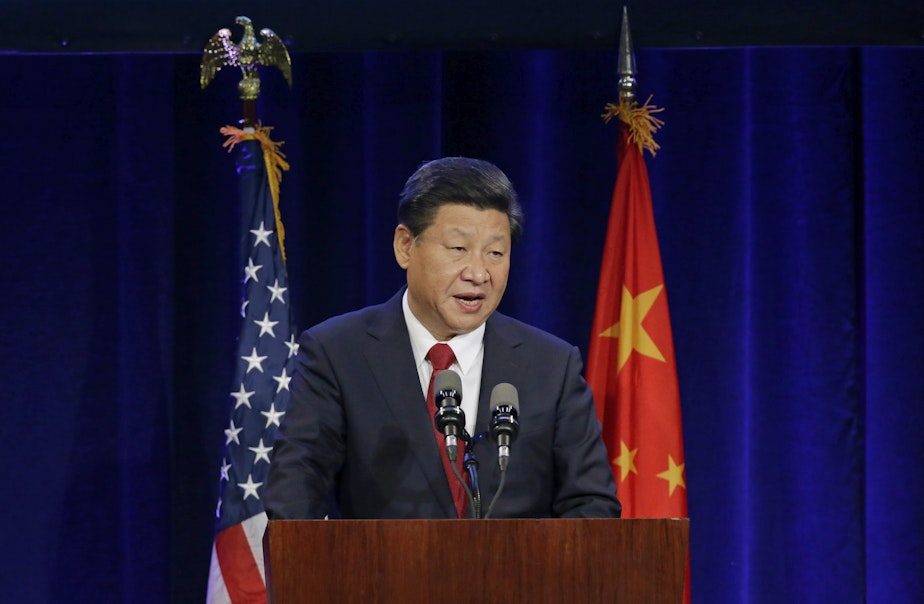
(789, 199)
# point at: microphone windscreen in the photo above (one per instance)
(505, 394)
(447, 379)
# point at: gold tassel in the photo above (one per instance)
(642, 124)
(275, 162)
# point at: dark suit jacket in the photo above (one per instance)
(357, 440)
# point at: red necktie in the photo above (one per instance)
(441, 357)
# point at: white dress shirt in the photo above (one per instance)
(469, 351)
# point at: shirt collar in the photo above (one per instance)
(465, 346)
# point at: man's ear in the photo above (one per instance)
(403, 242)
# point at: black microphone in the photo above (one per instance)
(450, 420)
(505, 405)
(449, 417)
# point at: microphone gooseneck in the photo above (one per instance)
(471, 468)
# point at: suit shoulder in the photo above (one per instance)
(519, 332)
(353, 322)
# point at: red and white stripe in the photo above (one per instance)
(237, 575)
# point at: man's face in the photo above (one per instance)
(456, 269)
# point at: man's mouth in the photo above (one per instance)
(470, 300)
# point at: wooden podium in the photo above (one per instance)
(505, 561)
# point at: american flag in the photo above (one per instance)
(260, 390)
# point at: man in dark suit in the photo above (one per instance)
(358, 439)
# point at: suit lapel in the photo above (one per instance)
(391, 362)
(501, 364)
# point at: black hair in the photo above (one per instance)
(462, 180)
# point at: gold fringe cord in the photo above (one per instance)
(275, 162)
(640, 121)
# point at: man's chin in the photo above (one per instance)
(470, 324)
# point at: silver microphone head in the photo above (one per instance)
(447, 381)
(505, 394)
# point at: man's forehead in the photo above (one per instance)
(488, 232)
(469, 214)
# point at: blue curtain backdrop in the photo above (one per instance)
(789, 199)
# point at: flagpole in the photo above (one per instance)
(267, 337)
(630, 363)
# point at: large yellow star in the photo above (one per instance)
(626, 460)
(629, 330)
(673, 475)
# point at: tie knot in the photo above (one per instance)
(441, 357)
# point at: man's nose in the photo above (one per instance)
(477, 272)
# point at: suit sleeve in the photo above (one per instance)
(584, 480)
(310, 444)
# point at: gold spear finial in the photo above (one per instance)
(221, 51)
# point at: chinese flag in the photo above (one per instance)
(631, 366)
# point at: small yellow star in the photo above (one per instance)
(673, 475)
(625, 461)
(629, 330)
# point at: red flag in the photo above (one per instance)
(631, 366)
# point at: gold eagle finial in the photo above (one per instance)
(221, 51)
